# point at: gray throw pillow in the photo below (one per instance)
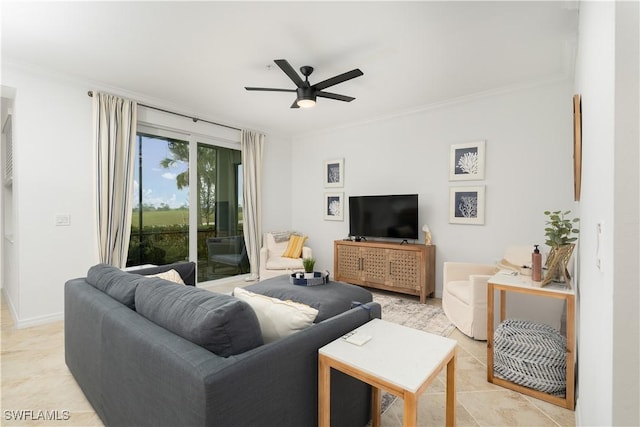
(220, 323)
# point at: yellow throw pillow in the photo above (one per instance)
(294, 248)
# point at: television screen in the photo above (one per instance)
(394, 216)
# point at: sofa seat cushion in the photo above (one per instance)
(220, 323)
(460, 289)
(330, 299)
(278, 319)
(283, 263)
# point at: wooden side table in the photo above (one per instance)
(521, 284)
(398, 359)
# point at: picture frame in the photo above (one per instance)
(577, 147)
(334, 206)
(334, 173)
(466, 205)
(466, 161)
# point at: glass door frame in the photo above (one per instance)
(193, 139)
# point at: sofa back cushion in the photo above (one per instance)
(220, 323)
(114, 282)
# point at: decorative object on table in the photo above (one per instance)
(427, 235)
(308, 264)
(466, 205)
(334, 206)
(559, 231)
(316, 278)
(577, 146)
(466, 161)
(536, 264)
(334, 173)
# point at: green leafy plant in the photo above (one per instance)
(308, 264)
(560, 229)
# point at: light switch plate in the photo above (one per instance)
(63, 220)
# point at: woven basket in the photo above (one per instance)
(531, 354)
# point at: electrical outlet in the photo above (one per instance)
(63, 220)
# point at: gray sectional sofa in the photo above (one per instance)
(148, 352)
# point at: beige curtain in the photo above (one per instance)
(115, 135)
(252, 147)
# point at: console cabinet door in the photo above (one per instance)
(348, 263)
(406, 269)
(375, 265)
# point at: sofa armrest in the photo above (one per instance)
(479, 289)
(454, 271)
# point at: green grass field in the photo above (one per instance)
(158, 218)
(155, 218)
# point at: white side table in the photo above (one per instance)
(524, 285)
(398, 359)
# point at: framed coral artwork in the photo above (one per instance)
(466, 205)
(334, 206)
(334, 173)
(466, 161)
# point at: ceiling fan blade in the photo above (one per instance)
(338, 79)
(335, 96)
(289, 71)
(295, 104)
(269, 89)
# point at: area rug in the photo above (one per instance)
(408, 311)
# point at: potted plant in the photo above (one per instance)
(560, 234)
(308, 264)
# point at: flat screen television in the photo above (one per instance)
(393, 216)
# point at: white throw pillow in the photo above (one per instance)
(277, 318)
(170, 275)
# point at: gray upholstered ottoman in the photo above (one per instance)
(329, 299)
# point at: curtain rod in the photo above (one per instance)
(195, 119)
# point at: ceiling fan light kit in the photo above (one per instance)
(305, 92)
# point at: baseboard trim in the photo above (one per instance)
(33, 321)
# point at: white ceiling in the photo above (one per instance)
(198, 56)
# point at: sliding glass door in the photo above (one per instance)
(164, 223)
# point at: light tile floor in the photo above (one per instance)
(36, 383)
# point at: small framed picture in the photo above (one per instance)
(466, 205)
(334, 206)
(467, 161)
(334, 173)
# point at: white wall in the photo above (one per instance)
(54, 174)
(53, 171)
(528, 135)
(608, 344)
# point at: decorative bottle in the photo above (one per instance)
(536, 264)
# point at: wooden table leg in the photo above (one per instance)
(410, 416)
(490, 315)
(324, 392)
(375, 407)
(450, 407)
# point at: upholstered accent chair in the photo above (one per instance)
(464, 290)
(282, 253)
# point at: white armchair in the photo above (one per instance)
(464, 296)
(464, 291)
(272, 263)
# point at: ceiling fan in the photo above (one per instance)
(306, 92)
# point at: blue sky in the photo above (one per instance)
(158, 183)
